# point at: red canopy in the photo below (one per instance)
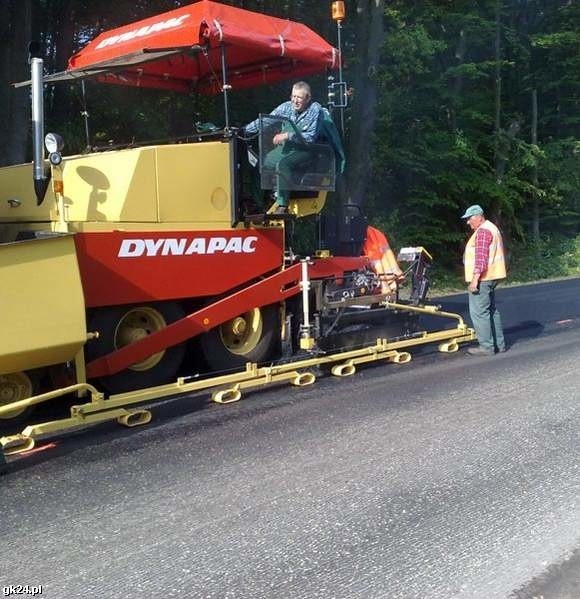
(181, 50)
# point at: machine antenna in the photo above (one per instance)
(337, 92)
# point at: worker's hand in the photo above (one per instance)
(474, 285)
(281, 138)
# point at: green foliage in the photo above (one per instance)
(436, 146)
(443, 138)
(552, 256)
(445, 280)
(409, 50)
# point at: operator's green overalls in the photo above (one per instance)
(285, 160)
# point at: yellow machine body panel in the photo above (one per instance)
(194, 182)
(177, 183)
(111, 186)
(17, 198)
(302, 207)
(42, 310)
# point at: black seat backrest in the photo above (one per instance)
(344, 232)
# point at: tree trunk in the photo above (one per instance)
(370, 32)
(535, 199)
(457, 83)
(14, 103)
(497, 93)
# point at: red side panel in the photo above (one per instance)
(275, 288)
(126, 267)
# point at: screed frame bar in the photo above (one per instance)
(227, 388)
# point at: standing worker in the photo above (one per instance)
(484, 265)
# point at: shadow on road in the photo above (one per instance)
(560, 581)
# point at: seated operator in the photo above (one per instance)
(376, 248)
(291, 153)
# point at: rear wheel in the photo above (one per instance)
(15, 387)
(249, 337)
(120, 326)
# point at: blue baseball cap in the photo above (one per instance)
(473, 211)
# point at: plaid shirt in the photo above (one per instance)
(307, 121)
(483, 239)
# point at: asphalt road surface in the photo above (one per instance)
(449, 477)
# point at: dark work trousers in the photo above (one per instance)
(485, 317)
(287, 161)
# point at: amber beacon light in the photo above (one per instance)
(338, 10)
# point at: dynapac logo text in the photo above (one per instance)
(142, 31)
(133, 248)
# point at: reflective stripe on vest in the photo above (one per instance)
(496, 260)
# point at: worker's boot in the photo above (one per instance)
(480, 351)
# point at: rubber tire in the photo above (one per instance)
(105, 320)
(218, 357)
(21, 418)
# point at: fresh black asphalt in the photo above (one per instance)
(449, 477)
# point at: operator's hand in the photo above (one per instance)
(281, 138)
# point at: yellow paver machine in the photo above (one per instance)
(121, 265)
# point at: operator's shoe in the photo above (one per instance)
(502, 350)
(480, 351)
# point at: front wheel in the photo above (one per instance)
(14, 387)
(249, 337)
(119, 326)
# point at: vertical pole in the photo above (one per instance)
(36, 66)
(85, 114)
(339, 41)
(305, 286)
(40, 178)
(306, 340)
(225, 86)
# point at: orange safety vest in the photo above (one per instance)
(496, 261)
(375, 244)
(376, 248)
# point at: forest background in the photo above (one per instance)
(454, 102)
